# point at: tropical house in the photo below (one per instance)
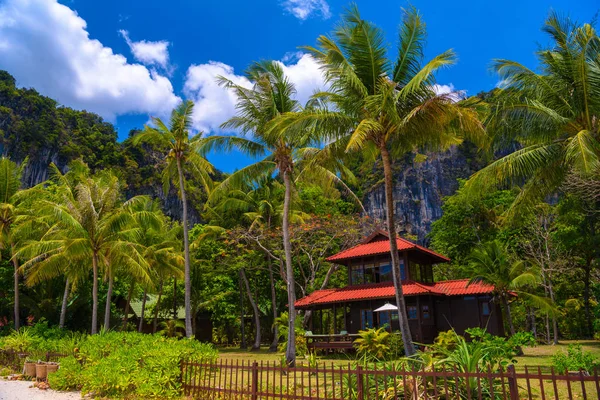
(369, 298)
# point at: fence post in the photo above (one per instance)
(360, 394)
(513, 388)
(254, 380)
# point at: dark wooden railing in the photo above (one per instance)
(226, 379)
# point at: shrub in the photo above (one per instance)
(372, 344)
(129, 364)
(282, 323)
(574, 359)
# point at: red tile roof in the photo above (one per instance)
(373, 245)
(386, 290)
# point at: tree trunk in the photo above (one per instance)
(275, 342)
(141, 325)
(409, 347)
(174, 298)
(589, 327)
(243, 344)
(554, 321)
(17, 310)
(95, 294)
(308, 313)
(511, 327)
(256, 345)
(157, 307)
(533, 322)
(290, 352)
(186, 250)
(63, 307)
(111, 282)
(126, 316)
(548, 340)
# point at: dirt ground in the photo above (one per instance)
(23, 390)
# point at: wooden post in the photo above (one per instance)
(254, 380)
(359, 383)
(512, 383)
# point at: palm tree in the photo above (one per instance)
(160, 246)
(492, 264)
(10, 183)
(554, 113)
(383, 108)
(89, 227)
(184, 157)
(271, 96)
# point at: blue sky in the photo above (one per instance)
(127, 60)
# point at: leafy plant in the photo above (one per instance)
(171, 328)
(574, 359)
(372, 344)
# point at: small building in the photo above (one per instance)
(431, 306)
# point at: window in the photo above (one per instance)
(412, 312)
(369, 276)
(384, 319)
(485, 308)
(356, 275)
(425, 311)
(402, 271)
(385, 273)
(366, 319)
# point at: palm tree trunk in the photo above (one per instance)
(17, 302)
(256, 345)
(63, 307)
(111, 282)
(156, 308)
(186, 249)
(243, 344)
(141, 325)
(409, 347)
(275, 342)
(129, 296)
(533, 322)
(290, 352)
(95, 294)
(589, 329)
(511, 327)
(174, 298)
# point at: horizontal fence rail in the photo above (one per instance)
(227, 379)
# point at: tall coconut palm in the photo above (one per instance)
(553, 112)
(10, 183)
(90, 227)
(383, 108)
(160, 247)
(491, 263)
(271, 95)
(184, 157)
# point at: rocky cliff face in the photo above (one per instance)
(419, 188)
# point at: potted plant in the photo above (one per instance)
(41, 370)
(51, 367)
(29, 367)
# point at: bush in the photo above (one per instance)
(372, 344)
(574, 359)
(129, 364)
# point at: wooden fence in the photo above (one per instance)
(227, 379)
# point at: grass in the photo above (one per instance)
(542, 355)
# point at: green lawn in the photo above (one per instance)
(540, 355)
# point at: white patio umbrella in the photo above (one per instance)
(387, 307)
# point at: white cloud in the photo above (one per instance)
(46, 45)
(450, 90)
(215, 105)
(149, 53)
(302, 9)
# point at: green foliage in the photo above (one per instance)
(282, 323)
(122, 365)
(372, 344)
(447, 340)
(172, 328)
(575, 359)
